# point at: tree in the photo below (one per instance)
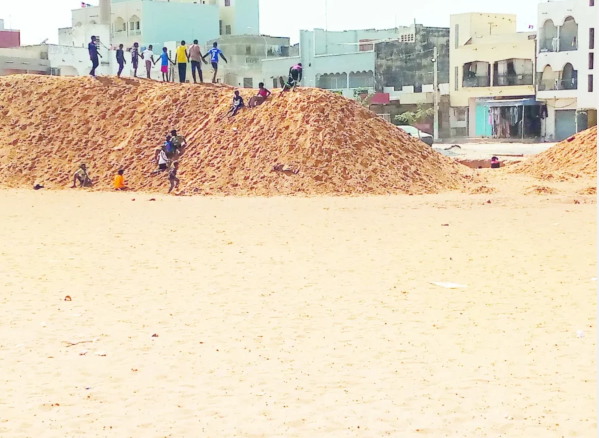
(412, 117)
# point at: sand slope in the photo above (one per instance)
(49, 125)
(575, 157)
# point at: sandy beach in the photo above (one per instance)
(299, 317)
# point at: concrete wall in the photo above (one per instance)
(400, 64)
(348, 41)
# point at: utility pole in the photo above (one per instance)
(435, 95)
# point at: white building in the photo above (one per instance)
(343, 62)
(565, 66)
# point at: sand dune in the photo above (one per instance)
(572, 158)
(330, 145)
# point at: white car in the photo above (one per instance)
(417, 133)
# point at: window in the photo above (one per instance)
(248, 83)
(227, 3)
(275, 83)
(220, 27)
(248, 50)
(591, 61)
(591, 2)
(457, 79)
(590, 83)
(591, 38)
(228, 29)
(457, 36)
(460, 114)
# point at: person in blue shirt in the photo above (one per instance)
(120, 59)
(214, 53)
(164, 60)
(93, 56)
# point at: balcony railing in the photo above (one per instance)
(476, 81)
(512, 80)
(565, 84)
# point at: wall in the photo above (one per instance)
(22, 60)
(10, 38)
(178, 21)
(400, 64)
(334, 43)
(75, 61)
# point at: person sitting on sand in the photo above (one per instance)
(237, 104)
(81, 176)
(119, 180)
(495, 164)
(259, 99)
(172, 176)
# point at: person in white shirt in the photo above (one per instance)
(148, 56)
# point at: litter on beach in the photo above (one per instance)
(447, 285)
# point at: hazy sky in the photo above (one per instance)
(40, 19)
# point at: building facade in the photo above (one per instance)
(246, 54)
(491, 62)
(566, 81)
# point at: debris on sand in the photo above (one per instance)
(541, 190)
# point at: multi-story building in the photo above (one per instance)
(492, 91)
(157, 21)
(565, 66)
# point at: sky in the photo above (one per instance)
(284, 18)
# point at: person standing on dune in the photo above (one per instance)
(94, 56)
(148, 56)
(195, 56)
(214, 53)
(182, 58)
(120, 59)
(135, 58)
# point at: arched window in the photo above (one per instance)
(332, 81)
(361, 79)
(568, 35)
(134, 25)
(120, 25)
(548, 79)
(548, 37)
(569, 78)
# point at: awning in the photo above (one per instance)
(380, 99)
(510, 102)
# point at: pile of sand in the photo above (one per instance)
(308, 142)
(575, 157)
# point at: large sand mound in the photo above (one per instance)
(574, 157)
(328, 144)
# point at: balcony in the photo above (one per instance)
(563, 84)
(476, 81)
(509, 80)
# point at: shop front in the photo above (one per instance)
(510, 118)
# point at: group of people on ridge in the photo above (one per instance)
(184, 56)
